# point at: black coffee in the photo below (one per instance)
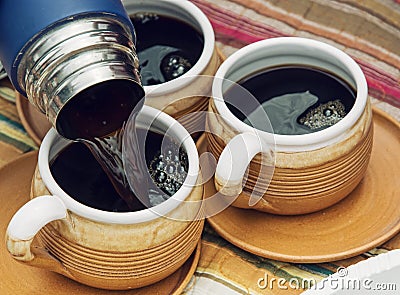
(296, 99)
(79, 174)
(108, 153)
(99, 110)
(167, 47)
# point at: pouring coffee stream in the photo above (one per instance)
(108, 153)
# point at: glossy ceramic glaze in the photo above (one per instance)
(311, 171)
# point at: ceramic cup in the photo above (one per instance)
(175, 97)
(311, 171)
(103, 249)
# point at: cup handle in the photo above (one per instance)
(26, 223)
(234, 160)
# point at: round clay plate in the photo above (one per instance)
(8, 153)
(34, 122)
(366, 218)
(16, 278)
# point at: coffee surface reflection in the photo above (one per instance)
(296, 99)
(167, 47)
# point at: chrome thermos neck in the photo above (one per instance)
(80, 70)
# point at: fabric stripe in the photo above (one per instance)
(226, 22)
(13, 133)
(229, 25)
(235, 26)
(383, 85)
(20, 145)
(7, 93)
(11, 129)
(282, 269)
(214, 277)
(317, 28)
(13, 124)
(377, 8)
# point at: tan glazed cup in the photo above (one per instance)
(109, 250)
(305, 173)
(175, 97)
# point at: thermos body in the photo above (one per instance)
(66, 55)
(23, 21)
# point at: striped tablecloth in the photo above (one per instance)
(368, 30)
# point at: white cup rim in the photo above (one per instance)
(208, 47)
(181, 135)
(286, 142)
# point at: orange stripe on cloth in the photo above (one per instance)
(318, 29)
(237, 30)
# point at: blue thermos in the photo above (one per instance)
(75, 60)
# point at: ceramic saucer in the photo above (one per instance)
(34, 122)
(8, 153)
(16, 278)
(366, 218)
